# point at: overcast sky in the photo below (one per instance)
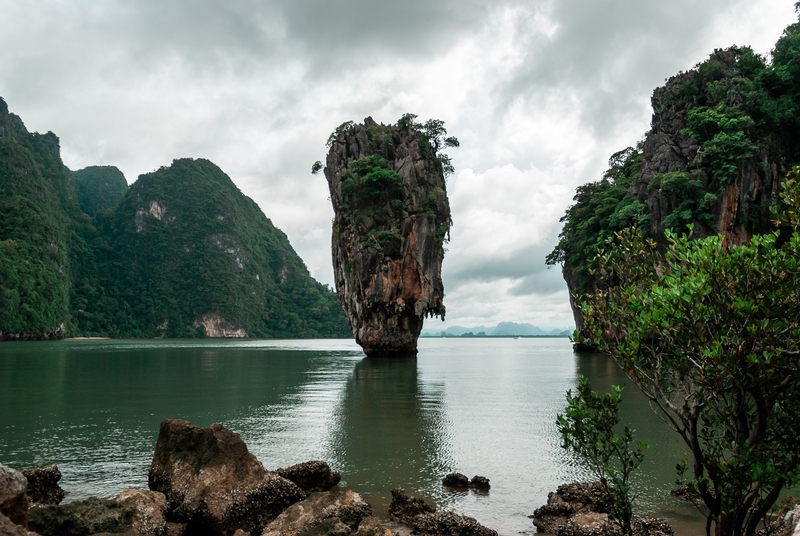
(540, 94)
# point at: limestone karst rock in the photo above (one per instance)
(391, 218)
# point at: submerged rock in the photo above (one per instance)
(456, 480)
(311, 476)
(391, 217)
(43, 488)
(13, 500)
(212, 482)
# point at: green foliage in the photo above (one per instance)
(587, 429)
(185, 243)
(316, 167)
(697, 205)
(372, 182)
(98, 188)
(600, 209)
(722, 132)
(432, 138)
(710, 334)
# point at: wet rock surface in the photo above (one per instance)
(81, 518)
(311, 476)
(148, 507)
(582, 508)
(424, 520)
(43, 488)
(570, 500)
(9, 528)
(456, 481)
(329, 512)
(13, 498)
(213, 483)
(391, 216)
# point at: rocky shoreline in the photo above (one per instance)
(205, 482)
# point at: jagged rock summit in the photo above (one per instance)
(392, 215)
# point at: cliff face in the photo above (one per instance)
(741, 196)
(391, 218)
(723, 136)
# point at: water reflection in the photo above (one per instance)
(388, 429)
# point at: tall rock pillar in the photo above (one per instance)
(391, 219)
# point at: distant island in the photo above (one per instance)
(503, 329)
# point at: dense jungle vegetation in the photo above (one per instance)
(81, 254)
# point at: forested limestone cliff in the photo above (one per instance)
(181, 253)
(722, 137)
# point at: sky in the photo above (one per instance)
(539, 92)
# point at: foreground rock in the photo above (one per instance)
(9, 528)
(148, 508)
(212, 483)
(391, 216)
(43, 488)
(582, 499)
(81, 518)
(582, 508)
(311, 476)
(787, 520)
(330, 512)
(424, 520)
(13, 500)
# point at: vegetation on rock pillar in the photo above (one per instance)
(710, 334)
(392, 216)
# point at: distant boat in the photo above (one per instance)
(516, 337)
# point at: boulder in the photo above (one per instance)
(371, 526)
(148, 510)
(599, 525)
(311, 476)
(212, 482)
(424, 520)
(81, 518)
(8, 528)
(13, 500)
(480, 483)
(448, 524)
(456, 480)
(405, 508)
(570, 500)
(43, 488)
(329, 508)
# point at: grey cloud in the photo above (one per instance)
(613, 53)
(519, 264)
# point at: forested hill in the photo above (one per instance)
(723, 136)
(181, 253)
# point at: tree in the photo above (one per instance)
(587, 429)
(711, 335)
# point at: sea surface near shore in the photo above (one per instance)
(475, 406)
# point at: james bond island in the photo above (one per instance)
(392, 217)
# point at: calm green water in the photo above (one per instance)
(476, 406)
